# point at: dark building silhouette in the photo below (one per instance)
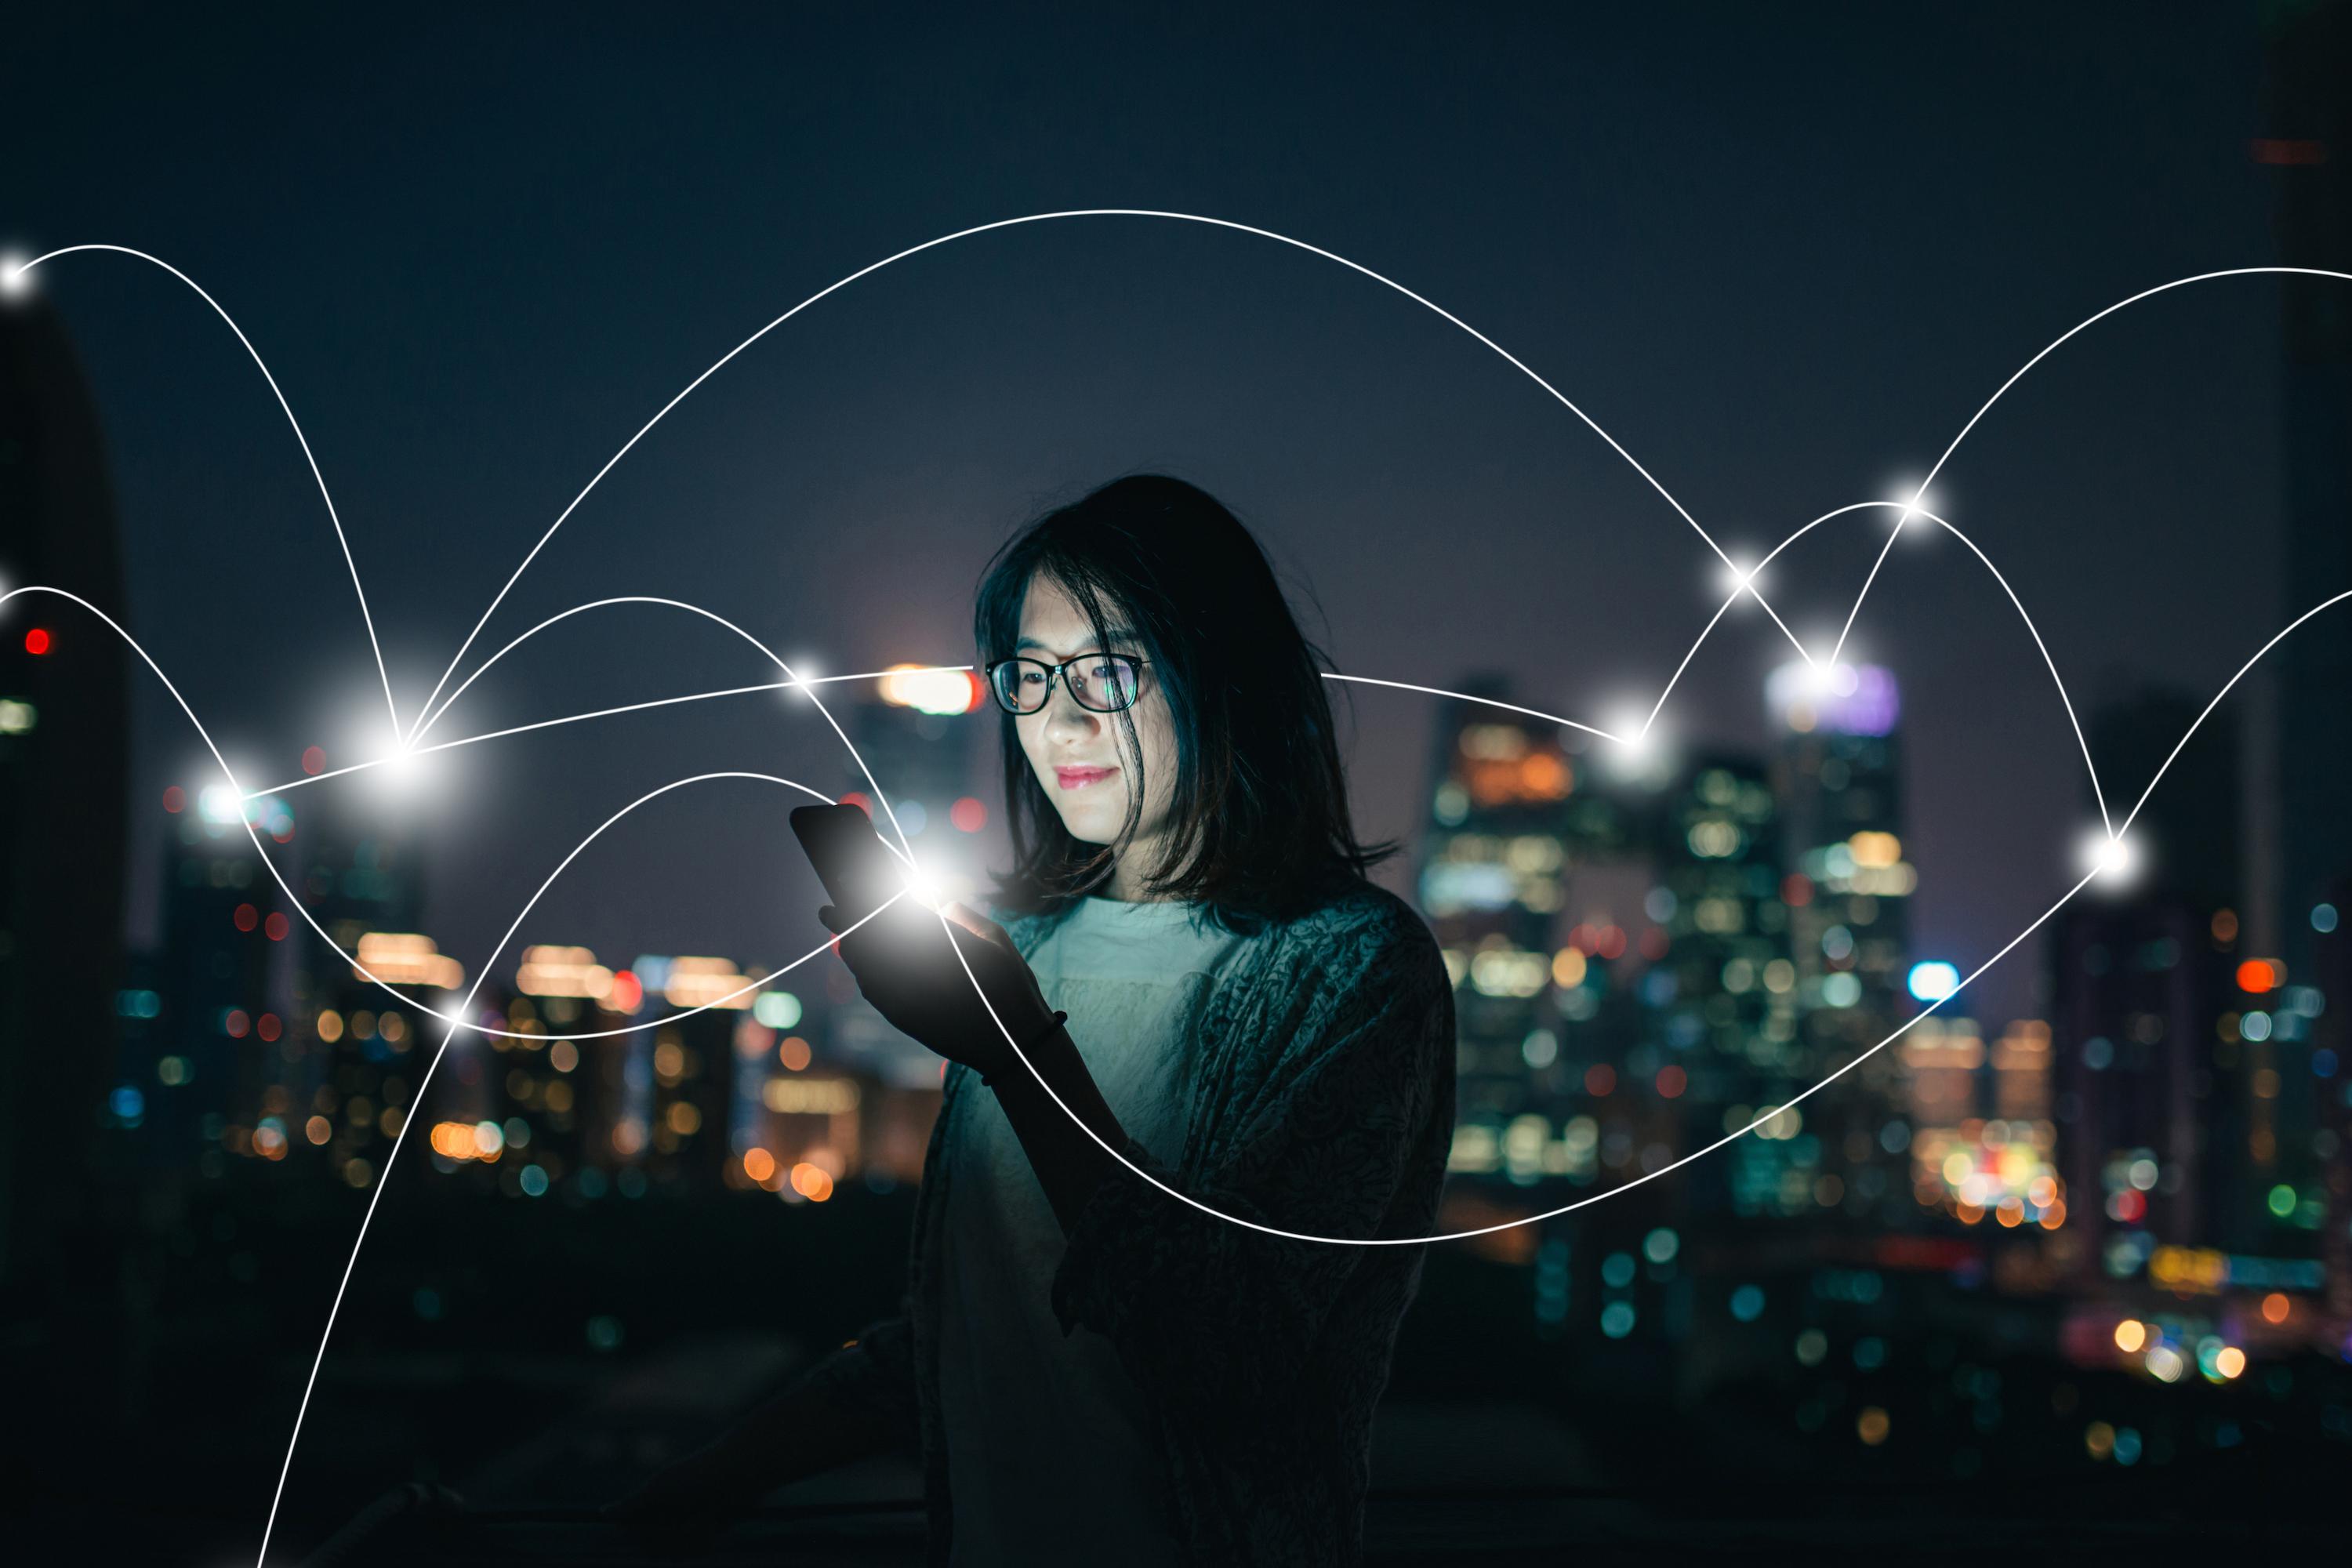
(64, 759)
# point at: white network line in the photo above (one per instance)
(1746, 584)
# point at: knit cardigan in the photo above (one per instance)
(1323, 1106)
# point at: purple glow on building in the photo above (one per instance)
(1851, 700)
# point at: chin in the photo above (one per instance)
(1092, 828)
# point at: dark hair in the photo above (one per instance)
(1258, 827)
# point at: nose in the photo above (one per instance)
(1066, 722)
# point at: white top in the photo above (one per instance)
(1049, 1438)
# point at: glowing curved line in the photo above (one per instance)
(1079, 212)
(2102, 315)
(376, 1195)
(284, 407)
(360, 969)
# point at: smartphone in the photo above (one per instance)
(857, 869)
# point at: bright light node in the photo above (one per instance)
(2110, 858)
(1824, 679)
(15, 275)
(922, 888)
(1909, 503)
(1738, 576)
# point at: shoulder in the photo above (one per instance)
(1362, 934)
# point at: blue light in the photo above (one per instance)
(1934, 980)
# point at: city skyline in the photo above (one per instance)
(481, 508)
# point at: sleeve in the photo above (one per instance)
(1197, 1306)
(874, 1370)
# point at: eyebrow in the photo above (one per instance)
(1113, 635)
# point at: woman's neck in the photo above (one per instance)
(1131, 876)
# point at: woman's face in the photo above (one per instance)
(1079, 755)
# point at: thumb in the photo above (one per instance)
(824, 916)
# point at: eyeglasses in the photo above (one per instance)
(1101, 683)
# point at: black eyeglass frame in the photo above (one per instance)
(1054, 672)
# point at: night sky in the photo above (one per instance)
(1781, 256)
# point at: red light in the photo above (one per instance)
(1611, 943)
(1672, 1081)
(236, 1024)
(1653, 943)
(628, 994)
(2260, 974)
(859, 801)
(2130, 1206)
(276, 925)
(246, 917)
(267, 1026)
(1600, 1079)
(175, 799)
(967, 815)
(313, 759)
(1795, 892)
(36, 641)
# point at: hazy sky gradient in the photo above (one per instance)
(1782, 257)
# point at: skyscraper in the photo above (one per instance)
(1839, 776)
(64, 758)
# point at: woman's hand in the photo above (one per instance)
(904, 968)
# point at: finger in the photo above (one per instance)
(980, 925)
(824, 916)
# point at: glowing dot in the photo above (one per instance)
(36, 641)
(2229, 1361)
(15, 275)
(2110, 858)
(313, 760)
(967, 815)
(245, 917)
(2131, 1334)
(2274, 1307)
(276, 927)
(175, 800)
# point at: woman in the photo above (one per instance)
(1094, 1370)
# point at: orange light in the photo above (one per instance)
(793, 1052)
(2131, 1334)
(812, 1182)
(2257, 975)
(2276, 1307)
(759, 1164)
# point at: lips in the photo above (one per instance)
(1081, 778)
